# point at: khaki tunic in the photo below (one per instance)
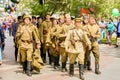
(52, 40)
(24, 36)
(46, 33)
(40, 31)
(62, 33)
(93, 30)
(76, 49)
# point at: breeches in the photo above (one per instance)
(63, 54)
(26, 54)
(95, 51)
(73, 57)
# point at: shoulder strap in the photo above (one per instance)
(78, 35)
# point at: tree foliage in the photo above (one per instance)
(101, 7)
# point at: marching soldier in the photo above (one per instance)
(62, 35)
(75, 48)
(87, 62)
(25, 35)
(40, 31)
(53, 43)
(94, 34)
(47, 24)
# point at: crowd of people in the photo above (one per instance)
(107, 28)
(63, 39)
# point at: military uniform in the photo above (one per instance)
(75, 48)
(87, 62)
(62, 35)
(53, 45)
(40, 31)
(93, 30)
(46, 27)
(25, 35)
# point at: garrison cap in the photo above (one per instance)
(67, 16)
(26, 16)
(62, 16)
(78, 19)
(48, 13)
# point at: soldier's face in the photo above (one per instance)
(77, 24)
(92, 20)
(27, 21)
(86, 20)
(62, 20)
(40, 20)
(54, 22)
(21, 20)
(48, 17)
(68, 20)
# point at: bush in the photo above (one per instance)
(104, 40)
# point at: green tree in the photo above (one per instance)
(101, 7)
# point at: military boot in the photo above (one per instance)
(71, 70)
(97, 69)
(64, 69)
(24, 64)
(85, 65)
(116, 46)
(81, 67)
(55, 62)
(28, 72)
(89, 65)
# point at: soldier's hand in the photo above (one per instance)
(38, 46)
(21, 31)
(42, 41)
(89, 47)
(94, 36)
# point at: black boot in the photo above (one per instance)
(81, 67)
(64, 69)
(24, 64)
(97, 69)
(28, 72)
(89, 65)
(58, 59)
(116, 46)
(55, 62)
(71, 70)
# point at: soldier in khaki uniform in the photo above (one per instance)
(87, 62)
(75, 39)
(47, 24)
(40, 31)
(94, 34)
(62, 35)
(25, 35)
(53, 43)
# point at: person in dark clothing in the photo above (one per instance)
(118, 32)
(2, 38)
(39, 21)
(15, 25)
(34, 20)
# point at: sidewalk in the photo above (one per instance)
(109, 66)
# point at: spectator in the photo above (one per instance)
(10, 27)
(2, 37)
(110, 30)
(15, 25)
(103, 26)
(118, 32)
